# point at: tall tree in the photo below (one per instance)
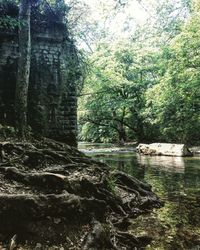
(174, 103)
(116, 85)
(23, 67)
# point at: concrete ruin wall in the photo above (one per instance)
(52, 106)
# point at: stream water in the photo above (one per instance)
(176, 180)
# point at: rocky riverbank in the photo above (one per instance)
(52, 196)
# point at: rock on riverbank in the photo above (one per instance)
(167, 149)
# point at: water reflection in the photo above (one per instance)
(177, 181)
(167, 163)
(91, 146)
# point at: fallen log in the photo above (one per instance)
(167, 149)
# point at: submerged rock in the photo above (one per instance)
(55, 195)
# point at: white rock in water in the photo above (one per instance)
(164, 149)
(38, 246)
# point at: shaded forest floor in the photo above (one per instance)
(52, 196)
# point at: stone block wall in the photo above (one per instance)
(52, 105)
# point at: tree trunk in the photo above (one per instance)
(22, 84)
(121, 133)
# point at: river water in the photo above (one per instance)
(176, 180)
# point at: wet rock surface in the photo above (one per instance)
(54, 197)
(168, 149)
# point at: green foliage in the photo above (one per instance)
(116, 86)
(139, 91)
(111, 183)
(8, 14)
(8, 22)
(176, 105)
(47, 10)
(7, 131)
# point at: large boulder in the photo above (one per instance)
(168, 149)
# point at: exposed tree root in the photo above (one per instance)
(49, 190)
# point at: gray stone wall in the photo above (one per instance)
(52, 106)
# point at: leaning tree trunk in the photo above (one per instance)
(121, 133)
(23, 67)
